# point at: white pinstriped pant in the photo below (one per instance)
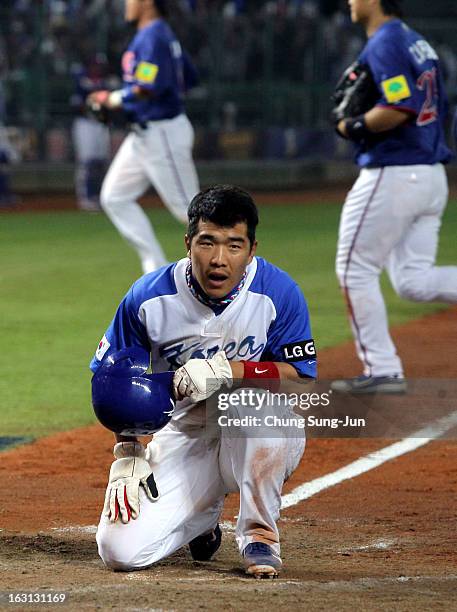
(391, 220)
(160, 155)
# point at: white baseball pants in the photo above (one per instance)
(92, 148)
(91, 140)
(193, 474)
(160, 155)
(391, 220)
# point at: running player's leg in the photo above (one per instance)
(190, 503)
(126, 181)
(170, 165)
(411, 265)
(91, 146)
(370, 227)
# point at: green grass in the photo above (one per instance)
(63, 274)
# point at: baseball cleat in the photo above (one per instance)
(260, 561)
(89, 206)
(370, 384)
(203, 547)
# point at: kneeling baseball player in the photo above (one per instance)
(220, 317)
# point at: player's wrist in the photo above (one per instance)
(340, 128)
(237, 368)
(356, 128)
(119, 97)
(124, 450)
(115, 98)
(263, 374)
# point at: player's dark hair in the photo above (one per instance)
(224, 205)
(392, 7)
(161, 6)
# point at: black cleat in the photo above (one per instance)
(203, 547)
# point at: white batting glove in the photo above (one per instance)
(200, 378)
(130, 471)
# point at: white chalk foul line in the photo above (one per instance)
(371, 461)
(365, 464)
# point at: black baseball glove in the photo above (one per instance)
(97, 111)
(355, 93)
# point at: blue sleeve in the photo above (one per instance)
(154, 65)
(289, 337)
(393, 72)
(125, 330)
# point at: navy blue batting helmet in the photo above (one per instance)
(128, 401)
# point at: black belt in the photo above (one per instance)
(136, 126)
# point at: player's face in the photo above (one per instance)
(219, 256)
(133, 9)
(360, 10)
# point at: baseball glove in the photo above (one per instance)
(96, 109)
(355, 93)
(97, 112)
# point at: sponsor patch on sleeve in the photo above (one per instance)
(103, 346)
(299, 351)
(146, 72)
(396, 89)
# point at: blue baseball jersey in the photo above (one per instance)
(408, 74)
(267, 321)
(156, 62)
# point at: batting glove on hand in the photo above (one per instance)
(130, 471)
(200, 378)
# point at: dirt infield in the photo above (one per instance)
(385, 540)
(66, 201)
(325, 194)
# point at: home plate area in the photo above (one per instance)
(365, 523)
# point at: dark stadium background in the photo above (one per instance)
(267, 71)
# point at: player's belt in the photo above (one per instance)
(140, 126)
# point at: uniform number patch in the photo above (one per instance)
(396, 89)
(103, 346)
(429, 111)
(146, 72)
(299, 351)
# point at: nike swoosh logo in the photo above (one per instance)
(311, 362)
(260, 371)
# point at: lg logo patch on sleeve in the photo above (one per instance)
(299, 351)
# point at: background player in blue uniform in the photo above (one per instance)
(392, 215)
(217, 315)
(156, 74)
(91, 139)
